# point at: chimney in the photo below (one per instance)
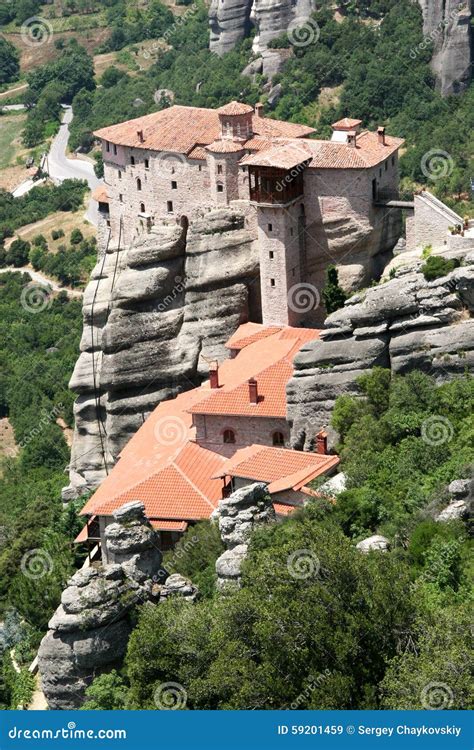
(214, 375)
(322, 442)
(259, 109)
(352, 138)
(140, 136)
(381, 136)
(253, 391)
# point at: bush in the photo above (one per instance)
(40, 241)
(436, 267)
(76, 236)
(57, 233)
(18, 253)
(333, 296)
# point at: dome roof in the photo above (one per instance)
(235, 108)
(225, 146)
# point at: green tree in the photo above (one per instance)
(333, 296)
(108, 692)
(18, 253)
(9, 61)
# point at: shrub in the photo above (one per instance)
(18, 253)
(436, 267)
(76, 236)
(57, 233)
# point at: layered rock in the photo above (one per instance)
(230, 21)
(90, 629)
(403, 324)
(153, 314)
(237, 516)
(446, 23)
(460, 507)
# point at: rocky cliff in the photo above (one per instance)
(402, 324)
(154, 314)
(89, 631)
(447, 23)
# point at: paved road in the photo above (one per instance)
(60, 168)
(40, 278)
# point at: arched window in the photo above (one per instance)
(220, 187)
(229, 436)
(278, 438)
(142, 208)
(139, 184)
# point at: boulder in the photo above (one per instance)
(228, 567)
(453, 512)
(373, 543)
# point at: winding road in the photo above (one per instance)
(42, 280)
(60, 168)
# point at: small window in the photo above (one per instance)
(142, 208)
(147, 164)
(132, 161)
(380, 172)
(386, 165)
(271, 254)
(219, 169)
(229, 436)
(278, 438)
(272, 282)
(270, 227)
(139, 184)
(119, 174)
(169, 207)
(107, 146)
(291, 231)
(120, 197)
(115, 149)
(220, 187)
(174, 185)
(200, 167)
(293, 271)
(393, 161)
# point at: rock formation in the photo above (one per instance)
(462, 493)
(375, 543)
(153, 313)
(447, 24)
(230, 21)
(405, 323)
(237, 516)
(89, 631)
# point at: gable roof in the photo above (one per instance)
(281, 468)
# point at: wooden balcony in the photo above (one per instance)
(275, 187)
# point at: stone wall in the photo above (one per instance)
(248, 430)
(432, 221)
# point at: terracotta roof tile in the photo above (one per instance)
(284, 510)
(282, 468)
(163, 525)
(235, 108)
(100, 194)
(347, 123)
(198, 152)
(225, 146)
(179, 129)
(247, 333)
(284, 156)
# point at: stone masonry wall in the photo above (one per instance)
(247, 430)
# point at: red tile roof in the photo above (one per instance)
(235, 108)
(161, 465)
(346, 123)
(247, 333)
(100, 194)
(367, 153)
(179, 129)
(225, 146)
(282, 468)
(284, 510)
(198, 152)
(163, 525)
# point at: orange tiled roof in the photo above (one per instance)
(327, 154)
(347, 123)
(284, 510)
(161, 465)
(225, 146)
(282, 468)
(179, 129)
(247, 333)
(198, 152)
(235, 108)
(100, 194)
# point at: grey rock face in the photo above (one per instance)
(237, 515)
(147, 334)
(373, 543)
(403, 324)
(454, 511)
(90, 629)
(177, 585)
(447, 24)
(461, 487)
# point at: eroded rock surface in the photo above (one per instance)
(403, 324)
(447, 24)
(90, 629)
(237, 516)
